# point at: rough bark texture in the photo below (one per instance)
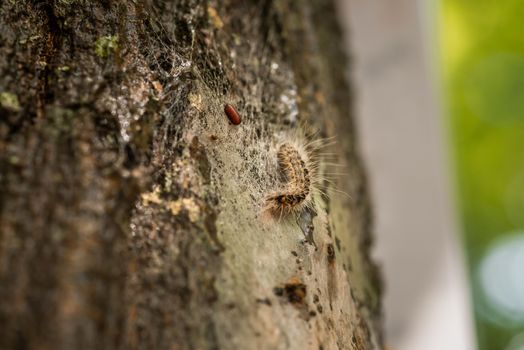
(130, 208)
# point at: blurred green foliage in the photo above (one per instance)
(482, 60)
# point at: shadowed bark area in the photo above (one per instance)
(131, 208)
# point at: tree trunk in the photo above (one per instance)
(131, 208)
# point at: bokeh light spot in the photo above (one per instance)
(501, 280)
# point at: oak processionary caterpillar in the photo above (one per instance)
(299, 167)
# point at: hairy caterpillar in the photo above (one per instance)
(299, 167)
(297, 174)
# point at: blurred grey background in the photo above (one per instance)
(403, 142)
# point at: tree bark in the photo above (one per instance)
(130, 207)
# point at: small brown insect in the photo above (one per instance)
(232, 114)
